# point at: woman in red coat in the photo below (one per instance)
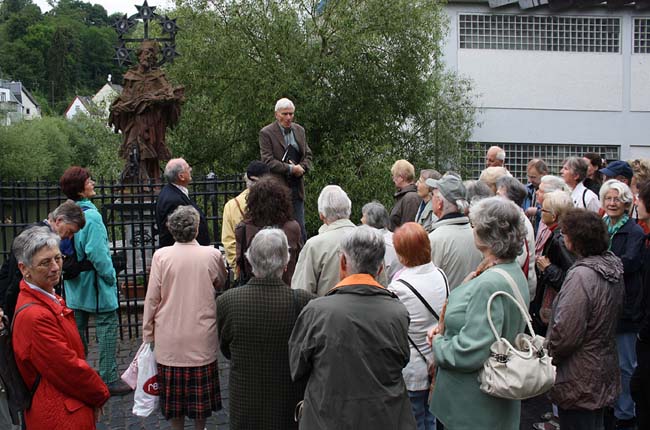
(68, 393)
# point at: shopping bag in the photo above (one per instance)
(130, 375)
(146, 398)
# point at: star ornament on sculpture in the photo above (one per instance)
(123, 55)
(146, 12)
(124, 24)
(169, 53)
(168, 25)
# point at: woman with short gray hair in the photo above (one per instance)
(48, 350)
(254, 324)
(183, 224)
(180, 316)
(461, 346)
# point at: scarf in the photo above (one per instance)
(613, 229)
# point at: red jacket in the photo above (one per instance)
(46, 342)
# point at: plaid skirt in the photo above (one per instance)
(191, 392)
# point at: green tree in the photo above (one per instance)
(35, 149)
(366, 76)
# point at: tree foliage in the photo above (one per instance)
(366, 77)
(65, 52)
(44, 148)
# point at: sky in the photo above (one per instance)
(112, 6)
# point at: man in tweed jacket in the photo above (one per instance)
(254, 324)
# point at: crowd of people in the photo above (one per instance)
(381, 325)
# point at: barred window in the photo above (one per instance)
(519, 154)
(540, 33)
(642, 35)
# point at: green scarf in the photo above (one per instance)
(613, 229)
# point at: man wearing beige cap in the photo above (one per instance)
(452, 240)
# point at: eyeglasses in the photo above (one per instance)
(47, 263)
(613, 200)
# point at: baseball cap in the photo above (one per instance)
(257, 169)
(616, 168)
(451, 187)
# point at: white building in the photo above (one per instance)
(28, 106)
(554, 83)
(106, 95)
(80, 105)
(10, 109)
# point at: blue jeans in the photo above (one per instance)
(420, 407)
(626, 345)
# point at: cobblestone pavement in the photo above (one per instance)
(118, 414)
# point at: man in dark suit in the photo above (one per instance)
(173, 195)
(283, 147)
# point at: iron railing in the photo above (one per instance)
(129, 215)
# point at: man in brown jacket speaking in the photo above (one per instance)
(283, 147)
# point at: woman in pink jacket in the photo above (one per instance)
(180, 317)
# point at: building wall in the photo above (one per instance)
(571, 95)
(104, 98)
(30, 110)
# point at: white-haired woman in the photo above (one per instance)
(67, 392)
(180, 317)
(464, 344)
(626, 242)
(254, 323)
(555, 260)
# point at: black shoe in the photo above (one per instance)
(119, 388)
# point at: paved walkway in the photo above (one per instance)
(118, 414)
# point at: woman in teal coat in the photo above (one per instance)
(461, 347)
(94, 292)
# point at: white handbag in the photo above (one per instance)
(518, 371)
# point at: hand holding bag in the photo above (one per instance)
(518, 371)
(130, 375)
(146, 398)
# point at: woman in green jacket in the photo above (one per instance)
(461, 347)
(94, 292)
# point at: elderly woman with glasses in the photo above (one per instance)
(461, 347)
(626, 242)
(68, 393)
(554, 261)
(180, 319)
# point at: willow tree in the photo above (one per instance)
(366, 77)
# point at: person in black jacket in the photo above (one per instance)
(179, 174)
(555, 260)
(65, 221)
(640, 383)
(626, 242)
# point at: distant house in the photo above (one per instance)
(106, 95)
(29, 107)
(80, 105)
(97, 105)
(10, 109)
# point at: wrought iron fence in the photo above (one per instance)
(129, 215)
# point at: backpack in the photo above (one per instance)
(19, 397)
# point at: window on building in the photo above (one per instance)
(642, 35)
(27, 111)
(539, 33)
(519, 154)
(3, 97)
